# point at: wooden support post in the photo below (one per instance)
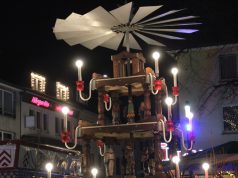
(157, 138)
(86, 158)
(115, 109)
(147, 112)
(100, 108)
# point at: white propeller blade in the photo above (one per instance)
(132, 43)
(148, 40)
(143, 12)
(122, 14)
(114, 42)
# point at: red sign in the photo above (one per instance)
(39, 102)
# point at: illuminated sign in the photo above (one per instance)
(39, 102)
(59, 108)
(53, 106)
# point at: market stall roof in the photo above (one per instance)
(223, 154)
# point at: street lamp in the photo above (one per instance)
(49, 167)
(206, 166)
(176, 161)
(94, 172)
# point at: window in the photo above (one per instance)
(230, 118)
(62, 91)
(31, 112)
(57, 125)
(45, 122)
(7, 103)
(6, 135)
(38, 120)
(38, 82)
(228, 67)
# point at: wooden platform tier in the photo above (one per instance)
(120, 84)
(140, 130)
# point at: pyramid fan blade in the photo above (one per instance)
(87, 36)
(91, 44)
(77, 34)
(73, 17)
(132, 43)
(148, 40)
(143, 12)
(59, 21)
(114, 42)
(162, 35)
(122, 14)
(161, 15)
(171, 25)
(172, 30)
(99, 17)
(172, 20)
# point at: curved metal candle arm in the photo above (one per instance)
(167, 93)
(77, 130)
(151, 80)
(108, 107)
(164, 133)
(100, 150)
(89, 92)
(183, 142)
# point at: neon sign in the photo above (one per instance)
(59, 108)
(39, 102)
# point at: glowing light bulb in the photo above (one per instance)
(94, 172)
(49, 167)
(176, 159)
(169, 101)
(79, 63)
(156, 56)
(205, 166)
(65, 110)
(174, 71)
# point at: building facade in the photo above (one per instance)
(31, 123)
(208, 80)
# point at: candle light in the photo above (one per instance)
(49, 167)
(65, 111)
(156, 56)
(176, 161)
(94, 172)
(174, 72)
(205, 166)
(79, 65)
(190, 117)
(169, 102)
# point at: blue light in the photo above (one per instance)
(188, 127)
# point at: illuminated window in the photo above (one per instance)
(38, 82)
(230, 118)
(62, 91)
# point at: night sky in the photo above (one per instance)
(28, 44)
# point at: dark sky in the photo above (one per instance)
(28, 44)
